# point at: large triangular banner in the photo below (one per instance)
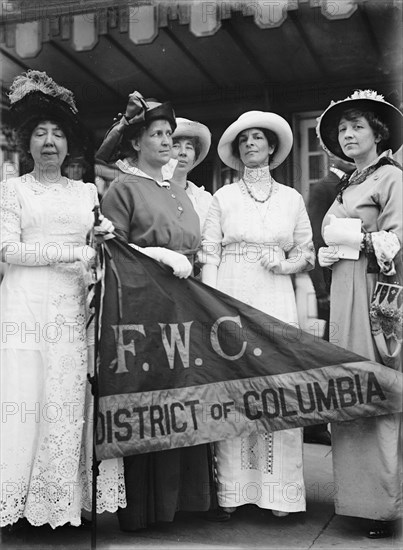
(182, 364)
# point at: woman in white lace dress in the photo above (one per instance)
(45, 219)
(257, 233)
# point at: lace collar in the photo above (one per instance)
(39, 187)
(260, 175)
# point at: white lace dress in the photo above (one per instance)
(265, 469)
(45, 446)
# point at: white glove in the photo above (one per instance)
(104, 226)
(181, 266)
(85, 254)
(327, 256)
(283, 267)
(333, 234)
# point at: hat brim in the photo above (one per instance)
(191, 129)
(329, 120)
(256, 119)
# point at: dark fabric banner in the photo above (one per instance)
(182, 364)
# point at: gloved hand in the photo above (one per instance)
(181, 266)
(104, 226)
(334, 234)
(85, 254)
(283, 267)
(327, 256)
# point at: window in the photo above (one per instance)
(309, 159)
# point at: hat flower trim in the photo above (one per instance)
(38, 81)
(367, 94)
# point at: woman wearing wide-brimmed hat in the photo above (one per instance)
(256, 235)
(191, 143)
(45, 218)
(367, 454)
(157, 217)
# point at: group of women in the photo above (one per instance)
(45, 222)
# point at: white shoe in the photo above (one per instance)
(279, 514)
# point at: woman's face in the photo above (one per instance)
(183, 150)
(357, 139)
(254, 149)
(155, 143)
(48, 145)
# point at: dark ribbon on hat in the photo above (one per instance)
(137, 113)
(134, 114)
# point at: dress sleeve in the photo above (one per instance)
(93, 193)
(118, 206)
(10, 213)
(387, 241)
(391, 202)
(212, 236)
(302, 237)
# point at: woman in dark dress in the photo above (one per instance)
(158, 218)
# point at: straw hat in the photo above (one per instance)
(191, 129)
(256, 119)
(363, 100)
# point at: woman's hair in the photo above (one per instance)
(24, 134)
(379, 128)
(135, 132)
(271, 137)
(194, 140)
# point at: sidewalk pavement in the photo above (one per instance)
(249, 528)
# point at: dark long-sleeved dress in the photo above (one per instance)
(158, 484)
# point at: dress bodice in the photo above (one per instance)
(39, 214)
(234, 217)
(147, 214)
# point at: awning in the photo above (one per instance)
(27, 25)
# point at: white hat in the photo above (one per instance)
(186, 128)
(256, 119)
(364, 100)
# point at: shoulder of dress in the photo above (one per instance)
(125, 181)
(287, 190)
(201, 192)
(386, 170)
(15, 180)
(11, 182)
(11, 186)
(227, 189)
(86, 187)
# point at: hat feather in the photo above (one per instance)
(37, 81)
